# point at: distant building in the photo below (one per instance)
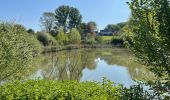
(106, 33)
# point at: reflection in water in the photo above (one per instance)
(116, 64)
(19, 72)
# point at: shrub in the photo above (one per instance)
(46, 39)
(99, 39)
(55, 90)
(17, 47)
(73, 90)
(31, 31)
(35, 44)
(74, 36)
(42, 38)
(61, 37)
(117, 40)
(90, 39)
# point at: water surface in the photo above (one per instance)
(117, 65)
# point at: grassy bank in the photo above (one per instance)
(69, 47)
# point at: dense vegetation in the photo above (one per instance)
(67, 90)
(65, 19)
(149, 37)
(146, 35)
(17, 47)
(72, 90)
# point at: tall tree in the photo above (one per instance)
(122, 24)
(68, 17)
(149, 34)
(48, 21)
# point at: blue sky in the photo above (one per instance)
(28, 12)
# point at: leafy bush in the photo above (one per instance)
(90, 39)
(99, 39)
(73, 90)
(35, 45)
(46, 39)
(117, 40)
(42, 38)
(31, 31)
(61, 37)
(74, 36)
(17, 47)
(55, 90)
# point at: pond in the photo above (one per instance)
(117, 65)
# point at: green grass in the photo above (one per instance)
(107, 38)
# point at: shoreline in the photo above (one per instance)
(71, 47)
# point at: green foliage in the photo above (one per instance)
(122, 24)
(83, 30)
(67, 17)
(42, 38)
(117, 40)
(74, 36)
(17, 47)
(138, 92)
(31, 31)
(148, 34)
(99, 39)
(46, 39)
(104, 39)
(107, 38)
(112, 27)
(66, 90)
(62, 38)
(19, 27)
(90, 39)
(73, 90)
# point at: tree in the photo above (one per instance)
(30, 31)
(43, 38)
(112, 27)
(83, 30)
(67, 17)
(75, 37)
(62, 38)
(48, 21)
(148, 34)
(17, 27)
(92, 27)
(122, 24)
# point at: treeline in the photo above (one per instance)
(66, 26)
